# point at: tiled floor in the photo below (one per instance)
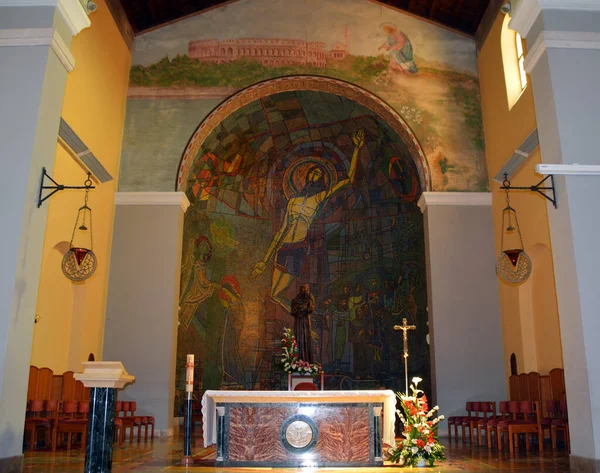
(163, 455)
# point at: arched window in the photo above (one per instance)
(513, 59)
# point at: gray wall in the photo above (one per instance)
(32, 83)
(464, 308)
(141, 314)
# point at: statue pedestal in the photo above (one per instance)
(104, 378)
(295, 379)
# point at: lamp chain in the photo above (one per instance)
(508, 209)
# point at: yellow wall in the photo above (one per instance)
(529, 312)
(71, 316)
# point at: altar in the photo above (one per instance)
(299, 428)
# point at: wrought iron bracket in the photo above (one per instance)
(57, 187)
(539, 188)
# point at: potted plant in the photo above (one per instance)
(289, 357)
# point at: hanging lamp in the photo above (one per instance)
(513, 265)
(79, 263)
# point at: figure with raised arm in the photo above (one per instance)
(290, 244)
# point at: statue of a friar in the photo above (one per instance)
(302, 306)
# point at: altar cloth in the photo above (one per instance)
(210, 398)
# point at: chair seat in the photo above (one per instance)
(505, 423)
(484, 422)
(559, 422)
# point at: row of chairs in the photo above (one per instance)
(125, 418)
(56, 419)
(513, 418)
(59, 420)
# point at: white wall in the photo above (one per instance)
(464, 305)
(143, 295)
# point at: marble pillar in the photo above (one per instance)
(104, 378)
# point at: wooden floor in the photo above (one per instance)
(163, 455)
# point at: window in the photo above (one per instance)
(513, 59)
(521, 59)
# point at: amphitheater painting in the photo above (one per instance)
(426, 73)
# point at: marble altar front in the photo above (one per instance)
(299, 428)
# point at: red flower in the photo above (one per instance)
(420, 443)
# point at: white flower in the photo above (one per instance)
(415, 449)
(414, 441)
(416, 380)
(427, 448)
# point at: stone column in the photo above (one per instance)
(143, 298)
(563, 61)
(104, 378)
(465, 329)
(35, 61)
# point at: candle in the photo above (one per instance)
(189, 374)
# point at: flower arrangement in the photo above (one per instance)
(289, 356)
(420, 444)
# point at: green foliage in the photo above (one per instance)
(467, 97)
(184, 71)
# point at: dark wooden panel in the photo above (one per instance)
(143, 15)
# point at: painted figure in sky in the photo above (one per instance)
(290, 244)
(400, 48)
(302, 306)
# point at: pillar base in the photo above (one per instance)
(583, 465)
(12, 464)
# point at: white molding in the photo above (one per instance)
(26, 37)
(152, 198)
(74, 15)
(72, 11)
(560, 39)
(568, 169)
(581, 5)
(527, 11)
(39, 37)
(28, 3)
(454, 198)
(62, 52)
(524, 16)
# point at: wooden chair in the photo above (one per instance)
(531, 424)
(514, 410)
(488, 409)
(561, 424)
(491, 426)
(72, 420)
(471, 420)
(526, 420)
(36, 421)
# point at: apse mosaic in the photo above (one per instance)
(424, 72)
(302, 187)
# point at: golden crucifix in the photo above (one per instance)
(405, 328)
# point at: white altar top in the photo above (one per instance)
(210, 398)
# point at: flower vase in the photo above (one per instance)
(421, 462)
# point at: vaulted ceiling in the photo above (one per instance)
(461, 15)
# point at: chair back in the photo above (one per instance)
(69, 408)
(132, 407)
(513, 383)
(83, 407)
(523, 387)
(305, 387)
(488, 407)
(514, 408)
(534, 386)
(118, 407)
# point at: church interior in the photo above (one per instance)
(238, 231)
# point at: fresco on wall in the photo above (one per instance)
(426, 73)
(302, 187)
